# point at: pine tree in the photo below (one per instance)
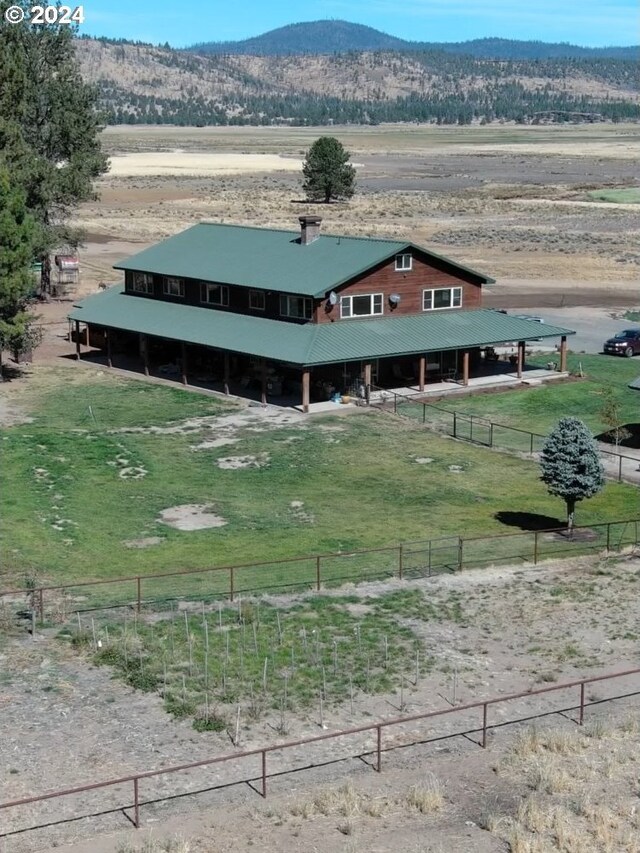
(327, 172)
(49, 126)
(18, 238)
(570, 464)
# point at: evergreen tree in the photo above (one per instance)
(570, 464)
(49, 126)
(17, 243)
(327, 172)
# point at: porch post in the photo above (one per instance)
(263, 381)
(183, 359)
(520, 362)
(77, 340)
(465, 367)
(225, 378)
(107, 335)
(422, 371)
(306, 384)
(563, 354)
(367, 375)
(144, 353)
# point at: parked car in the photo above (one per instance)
(625, 343)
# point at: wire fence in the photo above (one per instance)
(422, 558)
(483, 431)
(473, 719)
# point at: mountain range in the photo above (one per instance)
(331, 36)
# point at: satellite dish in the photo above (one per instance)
(394, 298)
(333, 297)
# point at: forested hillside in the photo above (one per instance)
(145, 84)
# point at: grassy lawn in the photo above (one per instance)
(84, 497)
(630, 195)
(538, 409)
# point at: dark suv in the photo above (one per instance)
(626, 343)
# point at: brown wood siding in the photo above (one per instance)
(386, 280)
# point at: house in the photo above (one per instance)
(300, 312)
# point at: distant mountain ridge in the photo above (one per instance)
(329, 36)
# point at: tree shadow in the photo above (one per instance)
(529, 520)
(629, 436)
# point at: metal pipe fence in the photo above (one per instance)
(480, 430)
(413, 559)
(482, 705)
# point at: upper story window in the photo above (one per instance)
(403, 262)
(296, 306)
(214, 294)
(441, 297)
(361, 306)
(142, 282)
(173, 286)
(257, 301)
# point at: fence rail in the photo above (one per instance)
(420, 558)
(376, 728)
(480, 430)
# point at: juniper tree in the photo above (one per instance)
(18, 238)
(327, 172)
(49, 126)
(570, 464)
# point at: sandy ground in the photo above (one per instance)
(180, 163)
(65, 722)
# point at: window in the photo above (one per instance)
(257, 300)
(214, 294)
(173, 287)
(403, 262)
(361, 306)
(295, 306)
(142, 282)
(442, 297)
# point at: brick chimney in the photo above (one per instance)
(309, 228)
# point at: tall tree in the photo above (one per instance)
(570, 464)
(18, 237)
(327, 172)
(49, 126)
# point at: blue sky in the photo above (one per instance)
(585, 22)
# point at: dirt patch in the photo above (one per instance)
(191, 517)
(144, 542)
(234, 463)
(423, 460)
(201, 163)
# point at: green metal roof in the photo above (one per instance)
(270, 259)
(309, 343)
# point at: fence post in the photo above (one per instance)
(136, 804)
(530, 444)
(231, 590)
(318, 572)
(581, 718)
(139, 593)
(535, 548)
(424, 413)
(41, 604)
(619, 469)
(491, 434)
(484, 726)
(471, 428)
(379, 747)
(608, 535)
(395, 404)
(400, 562)
(455, 431)
(264, 773)
(460, 543)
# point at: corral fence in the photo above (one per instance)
(416, 559)
(483, 431)
(370, 751)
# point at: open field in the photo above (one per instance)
(512, 201)
(110, 479)
(482, 633)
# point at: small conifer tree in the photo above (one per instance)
(570, 464)
(326, 170)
